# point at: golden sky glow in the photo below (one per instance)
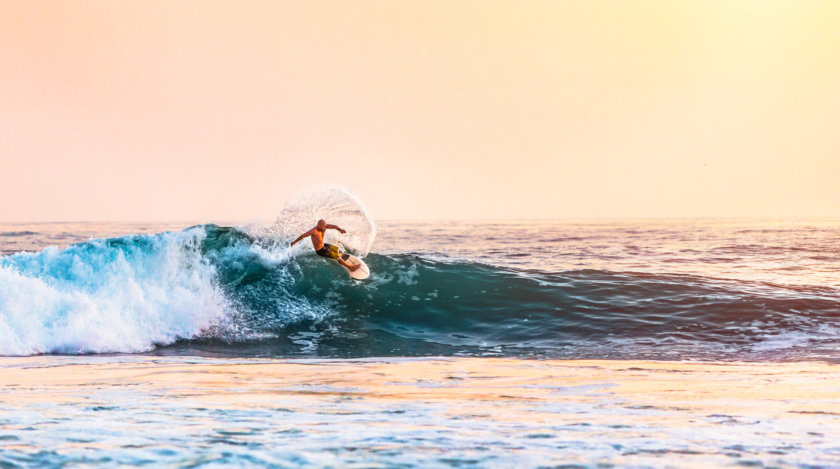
(200, 110)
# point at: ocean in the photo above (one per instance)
(514, 343)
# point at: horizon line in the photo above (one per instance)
(449, 220)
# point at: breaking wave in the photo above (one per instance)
(221, 290)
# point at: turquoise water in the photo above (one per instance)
(142, 344)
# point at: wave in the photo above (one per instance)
(221, 290)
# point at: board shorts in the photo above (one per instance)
(329, 251)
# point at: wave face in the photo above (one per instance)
(216, 290)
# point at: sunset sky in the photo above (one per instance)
(206, 110)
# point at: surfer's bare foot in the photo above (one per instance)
(350, 267)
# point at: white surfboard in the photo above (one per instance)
(359, 274)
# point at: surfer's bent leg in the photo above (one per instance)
(331, 252)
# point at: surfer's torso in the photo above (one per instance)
(317, 238)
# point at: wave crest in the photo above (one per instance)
(118, 295)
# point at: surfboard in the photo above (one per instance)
(362, 272)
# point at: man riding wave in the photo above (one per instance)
(324, 249)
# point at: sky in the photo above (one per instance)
(208, 110)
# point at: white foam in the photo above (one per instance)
(96, 297)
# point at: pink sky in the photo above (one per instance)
(201, 110)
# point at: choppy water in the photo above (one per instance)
(85, 411)
(765, 292)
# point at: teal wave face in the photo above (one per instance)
(417, 306)
(217, 290)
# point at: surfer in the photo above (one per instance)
(323, 249)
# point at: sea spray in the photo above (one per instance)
(333, 204)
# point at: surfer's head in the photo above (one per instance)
(322, 224)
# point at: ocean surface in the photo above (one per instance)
(98, 300)
(660, 289)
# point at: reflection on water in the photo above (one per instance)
(415, 412)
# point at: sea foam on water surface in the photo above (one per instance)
(427, 412)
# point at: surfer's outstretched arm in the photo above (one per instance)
(308, 233)
(336, 227)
